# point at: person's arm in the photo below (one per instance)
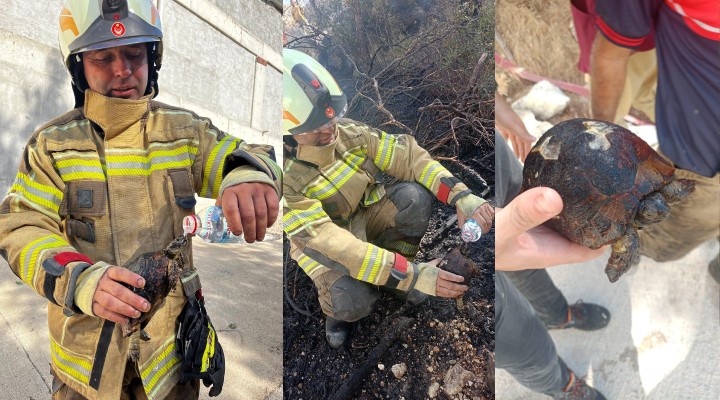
(319, 243)
(33, 243)
(521, 242)
(244, 178)
(623, 27)
(512, 128)
(401, 157)
(607, 71)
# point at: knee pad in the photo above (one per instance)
(414, 205)
(352, 299)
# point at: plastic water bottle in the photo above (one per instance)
(471, 231)
(210, 225)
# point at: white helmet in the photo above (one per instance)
(311, 96)
(98, 24)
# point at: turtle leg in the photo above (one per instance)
(677, 190)
(625, 252)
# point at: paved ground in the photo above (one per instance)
(663, 341)
(243, 287)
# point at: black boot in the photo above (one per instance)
(584, 316)
(578, 389)
(337, 332)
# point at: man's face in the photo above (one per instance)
(321, 136)
(117, 71)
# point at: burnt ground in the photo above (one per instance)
(439, 336)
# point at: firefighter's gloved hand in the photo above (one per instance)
(436, 282)
(447, 285)
(86, 285)
(477, 208)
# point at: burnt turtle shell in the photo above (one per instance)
(612, 183)
(161, 270)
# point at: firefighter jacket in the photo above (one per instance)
(324, 186)
(96, 187)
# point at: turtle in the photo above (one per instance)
(161, 270)
(611, 182)
(457, 262)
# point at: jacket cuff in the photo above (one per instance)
(469, 204)
(451, 190)
(245, 174)
(85, 287)
(427, 278)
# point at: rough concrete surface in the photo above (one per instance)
(242, 286)
(663, 341)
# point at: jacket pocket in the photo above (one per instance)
(182, 188)
(84, 201)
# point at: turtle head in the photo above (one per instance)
(174, 249)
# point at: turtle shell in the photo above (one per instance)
(602, 171)
(161, 270)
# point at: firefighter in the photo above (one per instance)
(113, 179)
(350, 232)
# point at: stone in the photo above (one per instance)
(544, 100)
(399, 370)
(455, 379)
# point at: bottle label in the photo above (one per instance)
(190, 224)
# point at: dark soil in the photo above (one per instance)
(440, 336)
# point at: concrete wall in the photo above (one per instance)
(222, 60)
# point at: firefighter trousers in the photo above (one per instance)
(397, 223)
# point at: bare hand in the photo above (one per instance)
(512, 128)
(249, 209)
(446, 285)
(484, 216)
(115, 302)
(520, 241)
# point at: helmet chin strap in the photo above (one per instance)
(152, 49)
(79, 83)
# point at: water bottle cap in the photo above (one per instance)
(190, 224)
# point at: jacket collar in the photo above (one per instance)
(114, 115)
(321, 156)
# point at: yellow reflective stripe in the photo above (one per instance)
(337, 175)
(429, 173)
(273, 165)
(29, 255)
(72, 169)
(374, 196)
(212, 173)
(160, 367)
(43, 195)
(75, 176)
(308, 264)
(209, 351)
(377, 266)
(299, 219)
(386, 151)
(374, 257)
(76, 367)
(70, 162)
(403, 248)
(155, 160)
(65, 127)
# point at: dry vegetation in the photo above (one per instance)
(538, 35)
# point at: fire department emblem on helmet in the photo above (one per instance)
(118, 29)
(329, 112)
